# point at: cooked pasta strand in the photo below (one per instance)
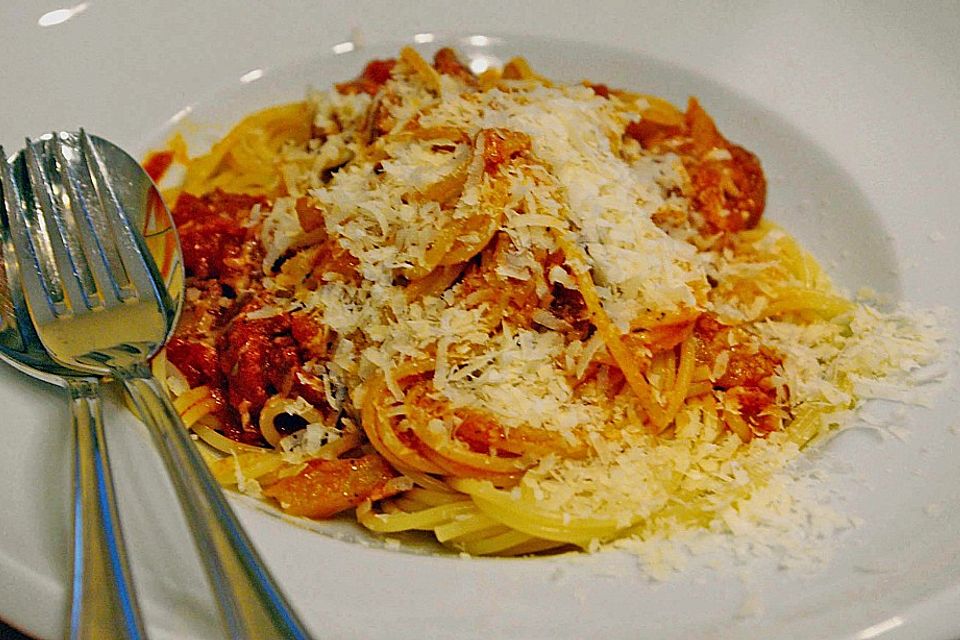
(521, 316)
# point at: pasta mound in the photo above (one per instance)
(519, 314)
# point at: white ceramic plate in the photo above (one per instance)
(853, 111)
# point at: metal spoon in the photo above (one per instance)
(103, 601)
(104, 297)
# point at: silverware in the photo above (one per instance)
(104, 299)
(103, 601)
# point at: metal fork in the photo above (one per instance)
(103, 601)
(100, 305)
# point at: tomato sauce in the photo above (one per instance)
(747, 376)
(157, 163)
(728, 183)
(211, 231)
(374, 76)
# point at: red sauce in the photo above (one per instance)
(157, 163)
(247, 350)
(502, 145)
(378, 71)
(211, 230)
(481, 433)
(200, 365)
(601, 90)
(650, 134)
(730, 193)
(374, 76)
(446, 62)
(748, 372)
(326, 487)
(198, 362)
(310, 335)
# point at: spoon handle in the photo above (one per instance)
(103, 604)
(251, 604)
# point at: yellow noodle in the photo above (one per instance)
(458, 492)
(472, 523)
(222, 443)
(401, 521)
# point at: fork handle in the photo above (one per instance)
(103, 603)
(250, 602)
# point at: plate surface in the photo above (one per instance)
(853, 112)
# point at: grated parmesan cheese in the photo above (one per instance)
(581, 181)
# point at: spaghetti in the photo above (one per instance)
(518, 314)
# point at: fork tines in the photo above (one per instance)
(73, 239)
(23, 220)
(13, 316)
